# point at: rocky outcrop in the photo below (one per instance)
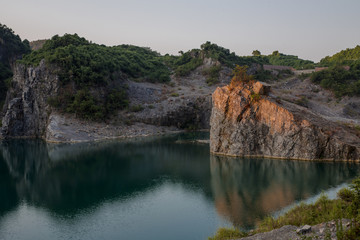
(163, 108)
(26, 108)
(192, 113)
(247, 121)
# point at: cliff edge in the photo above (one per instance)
(248, 120)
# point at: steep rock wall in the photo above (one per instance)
(247, 122)
(26, 108)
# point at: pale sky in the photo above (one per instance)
(309, 29)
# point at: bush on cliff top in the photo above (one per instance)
(190, 60)
(240, 76)
(91, 64)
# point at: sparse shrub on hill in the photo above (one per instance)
(212, 74)
(339, 80)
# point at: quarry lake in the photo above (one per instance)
(151, 188)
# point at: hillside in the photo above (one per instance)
(348, 56)
(343, 73)
(71, 89)
(281, 59)
(85, 66)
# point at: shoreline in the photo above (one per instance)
(106, 138)
(285, 158)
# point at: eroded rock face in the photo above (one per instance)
(245, 121)
(26, 108)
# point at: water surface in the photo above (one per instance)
(152, 188)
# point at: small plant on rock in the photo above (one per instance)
(240, 76)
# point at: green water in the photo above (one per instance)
(152, 188)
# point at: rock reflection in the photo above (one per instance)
(67, 178)
(246, 190)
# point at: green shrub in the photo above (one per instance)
(226, 233)
(255, 97)
(240, 76)
(86, 106)
(212, 74)
(304, 76)
(136, 108)
(186, 68)
(302, 101)
(264, 75)
(346, 195)
(339, 80)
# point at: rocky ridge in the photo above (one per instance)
(248, 120)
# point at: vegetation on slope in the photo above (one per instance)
(91, 66)
(189, 61)
(88, 63)
(281, 59)
(339, 80)
(347, 205)
(344, 57)
(11, 48)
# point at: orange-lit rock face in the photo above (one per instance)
(245, 121)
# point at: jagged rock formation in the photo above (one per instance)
(27, 110)
(246, 121)
(163, 107)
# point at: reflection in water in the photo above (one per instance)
(155, 184)
(67, 178)
(246, 190)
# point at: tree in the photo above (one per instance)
(256, 53)
(240, 76)
(275, 53)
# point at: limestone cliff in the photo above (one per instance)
(186, 103)
(26, 108)
(248, 121)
